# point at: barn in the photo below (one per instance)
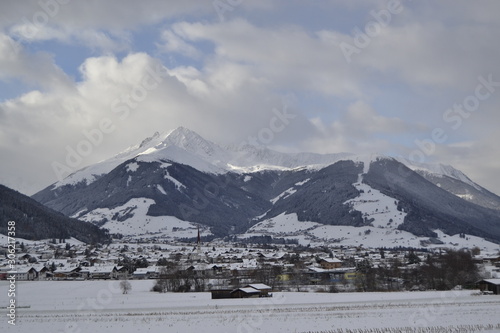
(262, 288)
(221, 293)
(245, 293)
(251, 290)
(489, 285)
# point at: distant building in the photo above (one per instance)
(330, 263)
(26, 274)
(251, 290)
(262, 288)
(245, 293)
(491, 285)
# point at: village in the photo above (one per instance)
(222, 267)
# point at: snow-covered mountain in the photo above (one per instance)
(172, 180)
(187, 147)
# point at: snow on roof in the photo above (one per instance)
(332, 260)
(99, 269)
(23, 269)
(317, 269)
(492, 281)
(259, 286)
(248, 290)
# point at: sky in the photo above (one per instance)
(81, 81)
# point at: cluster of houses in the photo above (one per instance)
(222, 265)
(44, 273)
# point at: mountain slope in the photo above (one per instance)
(431, 207)
(35, 221)
(177, 177)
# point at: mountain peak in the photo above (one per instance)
(144, 142)
(182, 131)
(190, 141)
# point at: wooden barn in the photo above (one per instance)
(262, 288)
(245, 293)
(221, 293)
(251, 290)
(490, 285)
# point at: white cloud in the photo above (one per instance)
(356, 131)
(174, 43)
(38, 69)
(229, 76)
(115, 89)
(100, 26)
(287, 57)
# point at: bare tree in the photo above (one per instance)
(162, 283)
(125, 286)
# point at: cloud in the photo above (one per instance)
(362, 120)
(228, 77)
(136, 102)
(37, 69)
(357, 131)
(89, 23)
(477, 159)
(288, 57)
(174, 43)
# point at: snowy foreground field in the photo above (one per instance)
(99, 306)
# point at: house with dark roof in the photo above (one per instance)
(245, 293)
(250, 290)
(263, 289)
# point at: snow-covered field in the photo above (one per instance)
(99, 306)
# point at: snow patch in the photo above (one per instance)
(132, 167)
(178, 184)
(376, 206)
(468, 197)
(288, 226)
(302, 182)
(161, 189)
(132, 219)
(284, 195)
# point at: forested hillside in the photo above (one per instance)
(35, 221)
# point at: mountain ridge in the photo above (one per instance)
(181, 176)
(218, 159)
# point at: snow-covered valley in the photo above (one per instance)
(100, 306)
